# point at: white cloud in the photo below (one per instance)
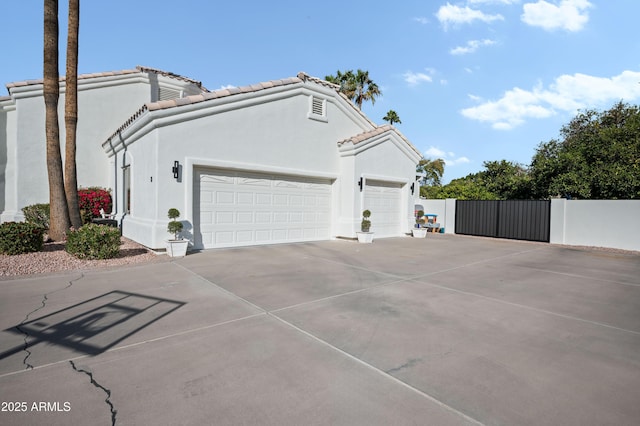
(434, 152)
(568, 15)
(472, 46)
(421, 19)
(455, 15)
(493, 1)
(415, 78)
(568, 93)
(228, 86)
(450, 158)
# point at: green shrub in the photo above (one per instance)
(86, 216)
(94, 242)
(37, 214)
(365, 225)
(20, 237)
(174, 227)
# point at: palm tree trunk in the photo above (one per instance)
(71, 114)
(59, 220)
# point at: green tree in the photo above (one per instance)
(499, 180)
(345, 81)
(597, 157)
(59, 212)
(470, 187)
(358, 86)
(392, 117)
(365, 88)
(506, 179)
(431, 171)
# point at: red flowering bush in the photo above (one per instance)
(91, 200)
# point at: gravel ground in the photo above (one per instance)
(53, 258)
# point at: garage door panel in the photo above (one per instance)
(244, 217)
(218, 179)
(296, 200)
(244, 236)
(279, 217)
(253, 181)
(223, 218)
(384, 200)
(263, 217)
(253, 208)
(223, 237)
(285, 183)
(225, 197)
(245, 198)
(263, 199)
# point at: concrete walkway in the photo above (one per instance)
(446, 330)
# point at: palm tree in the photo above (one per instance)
(365, 88)
(345, 81)
(357, 87)
(392, 117)
(71, 114)
(59, 213)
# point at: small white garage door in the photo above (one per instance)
(243, 208)
(383, 199)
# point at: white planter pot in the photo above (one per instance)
(177, 248)
(419, 232)
(365, 237)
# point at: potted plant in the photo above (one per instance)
(365, 236)
(419, 231)
(177, 247)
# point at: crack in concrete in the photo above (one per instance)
(407, 364)
(113, 410)
(18, 327)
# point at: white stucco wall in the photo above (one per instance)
(599, 223)
(7, 154)
(445, 209)
(266, 131)
(385, 157)
(104, 103)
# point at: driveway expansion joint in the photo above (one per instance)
(113, 410)
(18, 327)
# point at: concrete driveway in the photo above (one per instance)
(446, 330)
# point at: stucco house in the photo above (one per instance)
(280, 161)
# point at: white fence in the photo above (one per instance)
(597, 223)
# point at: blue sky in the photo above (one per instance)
(472, 80)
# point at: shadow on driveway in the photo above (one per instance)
(95, 325)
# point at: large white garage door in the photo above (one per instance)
(383, 199)
(244, 208)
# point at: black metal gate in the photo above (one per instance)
(514, 219)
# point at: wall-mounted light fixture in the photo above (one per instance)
(413, 187)
(176, 170)
(360, 183)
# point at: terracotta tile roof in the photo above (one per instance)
(230, 91)
(172, 75)
(81, 76)
(304, 77)
(129, 121)
(138, 69)
(222, 93)
(361, 137)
